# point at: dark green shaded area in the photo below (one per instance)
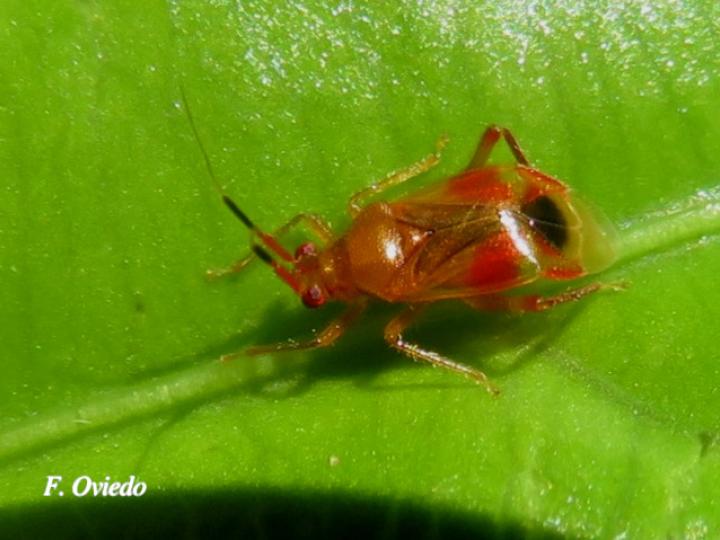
(255, 514)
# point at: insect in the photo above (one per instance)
(473, 237)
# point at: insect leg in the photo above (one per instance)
(313, 222)
(533, 303)
(424, 165)
(489, 139)
(327, 337)
(394, 337)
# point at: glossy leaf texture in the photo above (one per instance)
(608, 421)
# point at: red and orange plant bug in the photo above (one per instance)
(474, 237)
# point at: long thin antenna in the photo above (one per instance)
(282, 272)
(266, 239)
(208, 165)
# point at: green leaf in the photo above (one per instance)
(608, 422)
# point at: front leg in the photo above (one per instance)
(311, 221)
(325, 338)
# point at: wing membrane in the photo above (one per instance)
(457, 234)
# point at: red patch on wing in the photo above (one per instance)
(546, 247)
(495, 263)
(539, 183)
(532, 192)
(481, 185)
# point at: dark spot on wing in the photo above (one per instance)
(548, 220)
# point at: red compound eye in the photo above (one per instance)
(303, 250)
(313, 297)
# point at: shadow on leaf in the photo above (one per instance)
(241, 513)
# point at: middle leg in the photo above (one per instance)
(424, 165)
(394, 337)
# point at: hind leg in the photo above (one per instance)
(489, 139)
(534, 302)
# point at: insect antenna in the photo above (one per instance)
(282, 272)
(264, 237)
